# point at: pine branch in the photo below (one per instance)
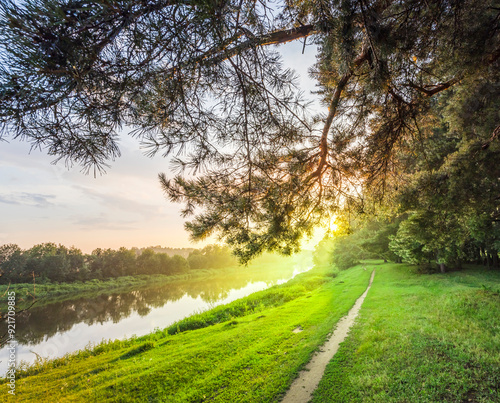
(332, 111)
(433, 89)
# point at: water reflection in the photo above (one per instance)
(56, 328)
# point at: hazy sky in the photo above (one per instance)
(41, 202)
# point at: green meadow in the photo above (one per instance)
(419, 338)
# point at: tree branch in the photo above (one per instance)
(219, 54)
(332, 111)
(433, 89)
(495, 134)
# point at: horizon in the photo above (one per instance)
(308, 245)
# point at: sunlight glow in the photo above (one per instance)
(319, 233)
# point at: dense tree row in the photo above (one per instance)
(184, 252)
(58, 263)
(411, 238)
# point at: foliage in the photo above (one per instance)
(452, 198)
(201, 77)
(362, 239)
(443, 201)
(211, 256)
(345, 253)
(427, 237)
(48, 262)
(323, 253)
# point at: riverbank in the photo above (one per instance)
(418, 338)
(27, 293)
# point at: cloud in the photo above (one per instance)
(28, 199)
(100, 222)
(123, 203)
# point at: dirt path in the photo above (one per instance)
(308, 379)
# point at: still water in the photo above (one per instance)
(57, 328)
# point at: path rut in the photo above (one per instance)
(308, 379)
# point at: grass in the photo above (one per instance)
(421, 338)
(252, 356)
(256, 302)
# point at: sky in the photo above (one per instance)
(42, 202)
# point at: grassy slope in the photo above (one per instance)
(253, 357)
(421, 338)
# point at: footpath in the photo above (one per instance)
(308, 379)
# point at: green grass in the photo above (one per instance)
(254, 356)
(256, 302)
(421, 338)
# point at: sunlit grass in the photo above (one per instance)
(250, 357)
(421, 338)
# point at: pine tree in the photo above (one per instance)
(200, 77)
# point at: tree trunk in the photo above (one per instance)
(442, 267)
(478, 259)
(494, 255)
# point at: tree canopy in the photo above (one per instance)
(51, 262)
(405, 84)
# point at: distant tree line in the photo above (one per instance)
(184, 252)
(48, 262)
